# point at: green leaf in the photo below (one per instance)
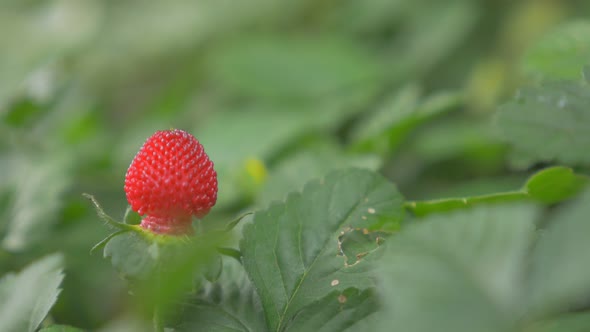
(169, 38)
(163, 269)
(243, 130)
(555, 184)
(548, 186)
(61, 328)
(47, 40)
(139, 254)
(586, 74)
(357, 243)
(370, 15)
(459, 272)
(459, 138)
(22, 112)
(336, 312)
(27, 297)
(291, 250)
(432, 32)
(131, 217)
(228, 304)
(295, 170)
(561, 54)
(264, 131)
(103, 242)
(560, 274)
(38, 182)
(395, 108)
(292, 67)
(400, 114)
(549, 123)
(573, 322)
(214, 268)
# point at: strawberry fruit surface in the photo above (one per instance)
(170, 180)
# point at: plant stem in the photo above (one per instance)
(158, 324)
(422, 208)
(158, 321)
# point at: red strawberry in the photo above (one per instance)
(171, 179)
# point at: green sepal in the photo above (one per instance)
(106, 218)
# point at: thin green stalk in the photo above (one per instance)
(422, 208)
(158, 319)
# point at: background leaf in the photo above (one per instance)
(46, 39)
(431, 34)
(27, 297)
(291, 253)
(461, 271)
(293, 66)
(549, 123)
(401, 113)
(37, 191)
(294, 171)
(60, 328)
(573, 322)
(557, 282)
(560, 54)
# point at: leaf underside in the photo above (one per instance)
(27, 297)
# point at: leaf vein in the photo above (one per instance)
(324, 247)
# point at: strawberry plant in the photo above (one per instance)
(313, 166)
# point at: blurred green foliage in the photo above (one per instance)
(280, 92)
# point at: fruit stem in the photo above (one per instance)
(158, 319)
